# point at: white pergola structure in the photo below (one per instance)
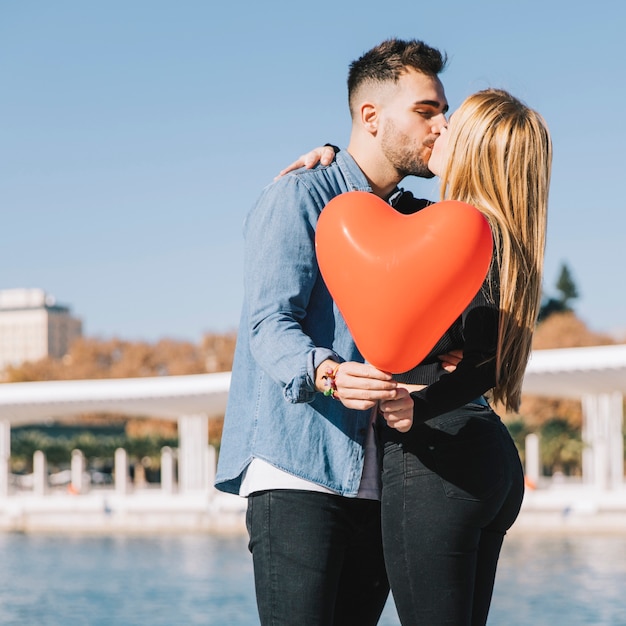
(596, 376)
(190, 400)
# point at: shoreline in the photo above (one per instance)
(566, 508)
(557, 509)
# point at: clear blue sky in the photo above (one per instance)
(136, 134)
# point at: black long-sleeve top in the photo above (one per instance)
(475, 332)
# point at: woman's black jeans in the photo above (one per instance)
(317, 558)
(452, 487)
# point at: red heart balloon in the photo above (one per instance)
(400, 281)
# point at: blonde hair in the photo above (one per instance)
(499, 160)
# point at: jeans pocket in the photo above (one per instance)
(473, 468)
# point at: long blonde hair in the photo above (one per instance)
(499, 160)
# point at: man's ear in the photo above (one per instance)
(369, 117)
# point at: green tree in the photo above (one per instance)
(566, 287)
(560, 447)
(518, 430)
(567, 291)
(58, 449)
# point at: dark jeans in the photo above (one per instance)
(317, 559)
(452, 487)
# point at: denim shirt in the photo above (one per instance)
(289, 325)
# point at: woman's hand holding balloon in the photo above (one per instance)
(398, 412)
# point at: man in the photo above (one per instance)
(298, 438)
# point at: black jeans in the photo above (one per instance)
(452, 487)
(317, 559)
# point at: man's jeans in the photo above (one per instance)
(317, 559)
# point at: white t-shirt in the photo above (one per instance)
(261, 475)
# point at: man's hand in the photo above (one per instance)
(357, 385)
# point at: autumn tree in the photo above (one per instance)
(92, 358)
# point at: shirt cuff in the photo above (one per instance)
(301, 388)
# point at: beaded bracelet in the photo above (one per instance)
(329, 381)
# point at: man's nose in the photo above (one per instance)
(438, 122)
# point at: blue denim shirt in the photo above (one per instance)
(289, 325)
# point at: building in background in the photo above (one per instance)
(34, 326)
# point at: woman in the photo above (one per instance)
(452, 482)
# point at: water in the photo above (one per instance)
(568, 581)
(199, 579)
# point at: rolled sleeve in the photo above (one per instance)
(280, 270)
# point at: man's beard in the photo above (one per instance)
(404, 154)
(418, 168)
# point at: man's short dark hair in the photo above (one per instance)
(390, 59)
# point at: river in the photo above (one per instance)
(171, 580)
